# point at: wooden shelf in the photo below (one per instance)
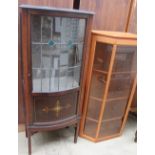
(112, 119)
(100, 71)
(127, 72)
(113, 73)
(92, 119)
(110, 99)
(117, 98)
(106, 120)
(95, 98)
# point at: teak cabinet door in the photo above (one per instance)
(113, 74)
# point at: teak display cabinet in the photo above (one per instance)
(110, 84)
(54, 55)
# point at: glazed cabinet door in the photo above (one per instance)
(118, 82)
(97, 87)
(56, 63)
(120, 86)
(56, 48)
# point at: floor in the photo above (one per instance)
(61, 143)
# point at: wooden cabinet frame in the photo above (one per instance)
(29, 96)
(115, 39)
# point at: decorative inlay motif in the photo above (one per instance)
(56, 109)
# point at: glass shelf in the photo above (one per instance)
(105, 72)
(55, 80)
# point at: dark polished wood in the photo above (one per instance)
(21, 115)
(52, 110)
(76, 132)
(52, 3)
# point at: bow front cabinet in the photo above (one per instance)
(54, 57)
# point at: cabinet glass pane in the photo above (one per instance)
(36, 56)
(57, 47)
(98, 82)
(36, 76)
(109, 128)
(45, 80)
(94, 107)
(123, 73)
(125, 60)
(90, 128)
(36, 28)
(115, 109)
(120, 86)
(102, 56)
(69, 78)
(46, 23)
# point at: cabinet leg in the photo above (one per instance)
(26, 134)
(135, 137)
(76, 133)
(29, 142)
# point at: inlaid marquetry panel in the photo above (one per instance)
(54, 108)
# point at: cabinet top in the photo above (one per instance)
(115, 34)
(115, 37)
(25, 6)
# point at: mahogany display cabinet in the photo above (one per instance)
(54, 57)
(110, 85)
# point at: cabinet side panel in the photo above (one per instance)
(21, 117)
(26, 65)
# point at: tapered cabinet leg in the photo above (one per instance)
(135, 137)
(76, 133)
(29, 142)
(26, 134)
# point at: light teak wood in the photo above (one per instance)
(106, 89)
(116, 40)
